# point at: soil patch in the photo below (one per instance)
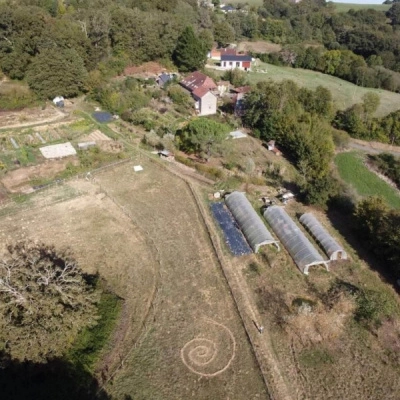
(17, 181)
(146, 70)
(259, 46)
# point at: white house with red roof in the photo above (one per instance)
(232, 61)
(200, 87)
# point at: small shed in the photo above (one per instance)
(59, 101)
(271, 147)
(165, 78)
(86, 145)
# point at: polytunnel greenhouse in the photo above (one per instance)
(322, 236)
(252, 226)
(299, 247)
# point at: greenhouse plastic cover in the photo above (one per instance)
(252, 226)
(327, 242)
(299, 247)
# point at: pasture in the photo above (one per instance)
(344, 93)
(352, 170)
(344, 7)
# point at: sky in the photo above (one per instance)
(360, 1)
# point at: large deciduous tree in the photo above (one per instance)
(45, 300)
(56, 72)
(190, 52)
(202, 136)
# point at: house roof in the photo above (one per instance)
(228, 51)
(228, 8)
(200, 92)
(196, 80)
(242, 89)
(235, 57)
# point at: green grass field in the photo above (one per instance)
(344, 93)
(344, 7)
(340, 7)
(353, 171)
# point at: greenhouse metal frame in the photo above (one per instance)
(250, 223)
(295, 241)
(323, 237)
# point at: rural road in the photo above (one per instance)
(374, 147)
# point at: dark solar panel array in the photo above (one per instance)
(233, 236)
(102, 116)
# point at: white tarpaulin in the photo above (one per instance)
(58, 150)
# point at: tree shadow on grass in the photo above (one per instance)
(343, 223)
(56, 380)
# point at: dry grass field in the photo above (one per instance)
(194, 344)
(320, 348)
(190, 342)
(103, 239)
(180, 335)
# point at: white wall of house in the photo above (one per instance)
(208, 104)
(232, 65)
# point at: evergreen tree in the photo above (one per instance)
(190, 52)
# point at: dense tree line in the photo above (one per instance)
(62, 48)
(102, 38)
(360, 46)
(344, 64)
(299, 120)
(359, 122)
(379, 227)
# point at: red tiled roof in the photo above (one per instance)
(228, 52)
(197, 80)
(242, 89)
(200, 92)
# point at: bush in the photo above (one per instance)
(179, 96)
(213, 172)
(373, 306)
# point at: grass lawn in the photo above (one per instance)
(366, 183)
(344, 93)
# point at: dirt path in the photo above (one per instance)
(374, 147)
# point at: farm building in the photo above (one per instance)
(299, 247)
(322, 236)
(253, 228)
